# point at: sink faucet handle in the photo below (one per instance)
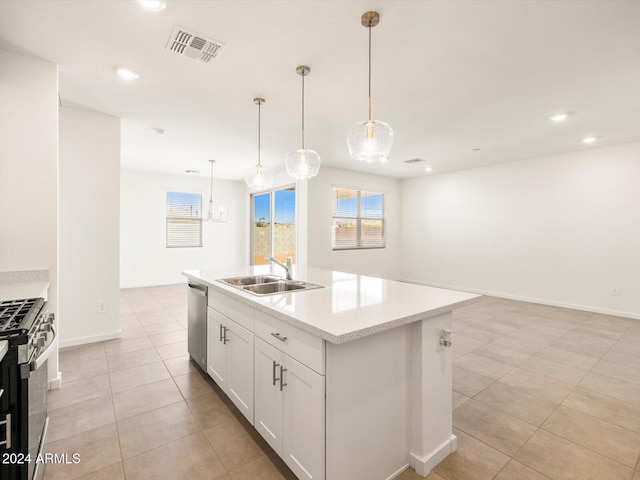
(289, 261)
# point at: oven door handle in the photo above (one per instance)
(44, 356)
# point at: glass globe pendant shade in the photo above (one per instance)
(302, 163)
(370, 141)
(259, 177)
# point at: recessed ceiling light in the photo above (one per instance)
(475, 149)
(192, 171)
(589, 139)
(153, 5)
(158, 131)
(559, 117)
(126, 74)
(428, 169)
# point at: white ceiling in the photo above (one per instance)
(448, 76)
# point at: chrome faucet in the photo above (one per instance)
(287, 267)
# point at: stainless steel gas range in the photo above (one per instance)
(30, 333)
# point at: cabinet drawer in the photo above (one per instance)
(304, 347)
(233, 309)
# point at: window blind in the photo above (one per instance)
(184, 219)
(358, 219)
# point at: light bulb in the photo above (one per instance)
(370, 124)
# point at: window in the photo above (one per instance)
(358, 219)
(274, 225)
(184, 219)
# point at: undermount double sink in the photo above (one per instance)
(268, 284)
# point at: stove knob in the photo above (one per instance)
(40, 342)
(45, 327)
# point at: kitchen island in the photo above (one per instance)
(348, 381)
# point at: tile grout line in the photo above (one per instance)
(559, 404)
(113, 405)
(142, 413)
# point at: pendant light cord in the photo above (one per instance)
(259, 103)
(211, 191)
(303, 110)
(369, 70)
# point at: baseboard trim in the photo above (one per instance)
(56, 383)
(153, 284)
(584, 308)
(424, 465)
(92, 339)
(398, 472)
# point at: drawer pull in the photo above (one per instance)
(224, 336)
(279, 337)
(221, 334)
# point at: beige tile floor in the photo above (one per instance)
(539, 393)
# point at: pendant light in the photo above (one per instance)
(371, 140)
(302, 163)
(218, 213)
(259, 177)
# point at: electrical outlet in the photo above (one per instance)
(615, 290)
(102, 307)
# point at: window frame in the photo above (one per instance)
(167, 191)
(358, 218)
(272, 211)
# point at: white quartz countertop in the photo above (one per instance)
(349, 306)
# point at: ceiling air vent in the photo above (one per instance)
(194, 46)
(413, 161)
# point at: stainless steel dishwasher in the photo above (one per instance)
(197, 331)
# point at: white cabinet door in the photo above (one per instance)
(216, 348)
(268, 406)
(239, 381)
(303, 420)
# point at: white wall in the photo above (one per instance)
(29, 170)
(89, 226)
(560, 230)
(376, 262)
(144, 258)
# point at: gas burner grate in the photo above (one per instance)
(14, 312)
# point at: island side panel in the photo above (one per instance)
(431, 379)
(368, 402)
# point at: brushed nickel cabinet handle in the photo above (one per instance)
(282, 370)
(224, 337)
(279, 337)
(275, 365)
(221, 334)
